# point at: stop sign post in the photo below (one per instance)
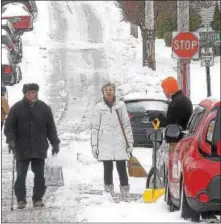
(185, 46)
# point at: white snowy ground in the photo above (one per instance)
(83, 175)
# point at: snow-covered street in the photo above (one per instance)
(74, 49)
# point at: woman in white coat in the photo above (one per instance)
(108, 141)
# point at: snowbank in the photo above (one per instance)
(125, 60)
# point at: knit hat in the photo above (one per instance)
(30, 87)
(170, 85)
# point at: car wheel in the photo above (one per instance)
(13, 80)
(168, 199)
(21, 49)
(19, 75)
(166, 189)
(20, 56)
(187, 212)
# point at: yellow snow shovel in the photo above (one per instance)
(152, 194)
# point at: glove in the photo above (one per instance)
(130, 149)
(95, 151)
(11, 147)
(55, 150)
(153, 115)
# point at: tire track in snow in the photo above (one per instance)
(79, 92)
(68, 87)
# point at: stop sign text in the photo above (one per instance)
(185, 45)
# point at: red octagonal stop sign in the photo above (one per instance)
(185, 45)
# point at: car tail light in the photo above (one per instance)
(8, 69)
(11, 46)
(204, 198)
(24, 19)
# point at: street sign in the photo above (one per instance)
(207, 58)
(185, 45)
(211, 39)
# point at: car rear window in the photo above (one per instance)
(217, 129)
(143, 106)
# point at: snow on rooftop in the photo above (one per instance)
(14, 10)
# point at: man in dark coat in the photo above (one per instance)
(28, 127)
(180, 108)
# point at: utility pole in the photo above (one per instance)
(208, 78)
(183, 66)
(149, 35)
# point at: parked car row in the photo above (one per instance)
(17, 18)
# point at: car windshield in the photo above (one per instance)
(145, 105)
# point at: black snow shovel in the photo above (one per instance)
(150, 195)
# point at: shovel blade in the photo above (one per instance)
(151, 195)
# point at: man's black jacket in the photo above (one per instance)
(179, 111)
(29, 126)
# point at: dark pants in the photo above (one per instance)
(2, 123)
(37, 166)
(122, 172)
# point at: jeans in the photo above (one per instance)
(122, 172)
(37, 166)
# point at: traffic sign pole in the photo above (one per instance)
(208, 40)
(185, 77)
(184, 81)
(208, 81)
(185, 45)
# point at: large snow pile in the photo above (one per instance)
(125, 60)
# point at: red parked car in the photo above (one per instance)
(194, 175)
(31, 6)
(19, 15)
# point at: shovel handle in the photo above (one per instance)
(156, 123)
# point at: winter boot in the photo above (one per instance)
(124, 190)
(109, 189)
(38, 204)
(21, 204)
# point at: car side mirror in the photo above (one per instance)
(156, 136)
(173, 133)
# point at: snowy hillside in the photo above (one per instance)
(74, 48)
